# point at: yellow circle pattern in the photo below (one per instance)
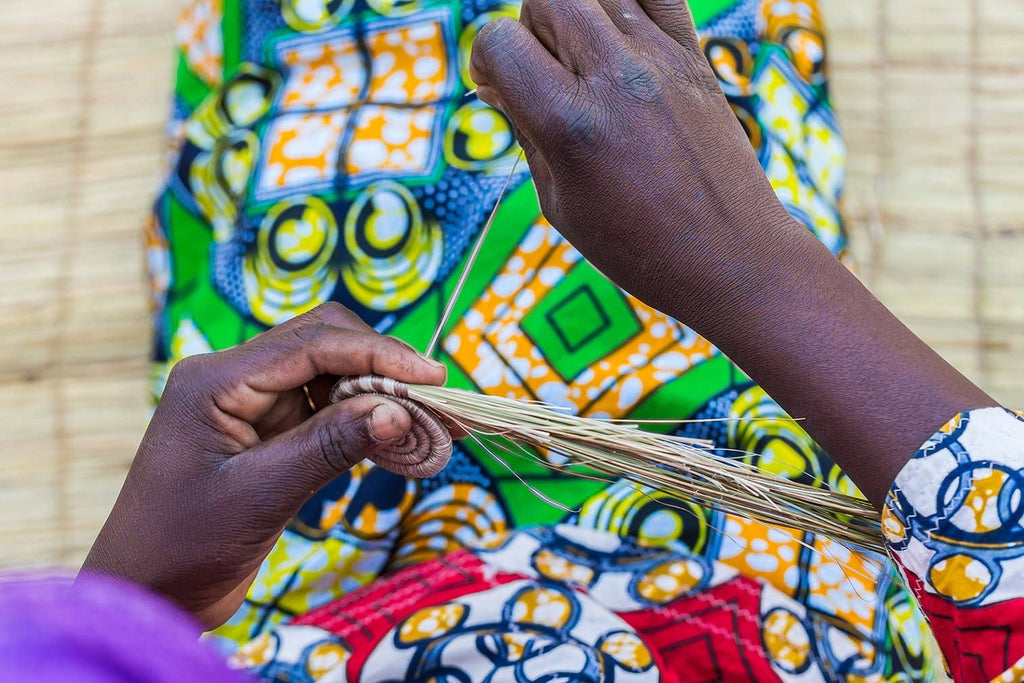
(959, 577)
(314, 15)
(786, 640)
(290, 270)
(478, 138)
(670, 580)
(394, 254)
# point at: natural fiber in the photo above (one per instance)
(424, 450)
(681, 466)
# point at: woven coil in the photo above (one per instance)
(427, 447)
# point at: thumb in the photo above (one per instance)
(294, 465)
(516, 74)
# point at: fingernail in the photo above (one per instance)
(383, 423)
(435, 363)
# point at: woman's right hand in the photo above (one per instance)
(637, 156)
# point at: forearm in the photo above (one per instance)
(802, 326)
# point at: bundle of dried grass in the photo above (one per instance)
(621, 449)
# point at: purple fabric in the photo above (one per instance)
(98, 630)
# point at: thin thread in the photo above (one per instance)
(532, 489)
(464, 275)
(798, 537)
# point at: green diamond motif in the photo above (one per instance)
(582, 319)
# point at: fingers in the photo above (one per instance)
(330, 313)
(288, 362)
(328, 444)
(579, 33)
(674, 19)
(627, 17)
(246, 381)
(296, 353)
(289, 468)
(284, 362)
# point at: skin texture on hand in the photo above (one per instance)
(640, 163)
(631, 142)
(234, 449)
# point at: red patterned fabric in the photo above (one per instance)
(712, 637)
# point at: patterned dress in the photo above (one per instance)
(568, 604)
(327, 150)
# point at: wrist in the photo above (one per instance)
(804, 328)
(774, 275)
(729, 268)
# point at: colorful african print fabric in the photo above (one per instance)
(327, 150)
(572, 604)
(953, 522)
(582, 605)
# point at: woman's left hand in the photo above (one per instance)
(235, 449)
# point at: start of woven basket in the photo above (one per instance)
(425, 450)
(686, 468)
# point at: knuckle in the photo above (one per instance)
(331, 315)
(693, 69)
(336, 313)
(330, 307)
(310, 333)
(577, 20)
(580, 131)
(191, 384)
(641, 85)
(336, 445)
(310, 316)
(321, 313)
(188, 371)
(635, 80)
(495, 40)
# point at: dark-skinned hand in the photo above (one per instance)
(632, 145)
(235, 449)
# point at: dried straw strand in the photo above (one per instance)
(678, 465)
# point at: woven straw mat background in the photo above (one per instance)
(931, 100)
